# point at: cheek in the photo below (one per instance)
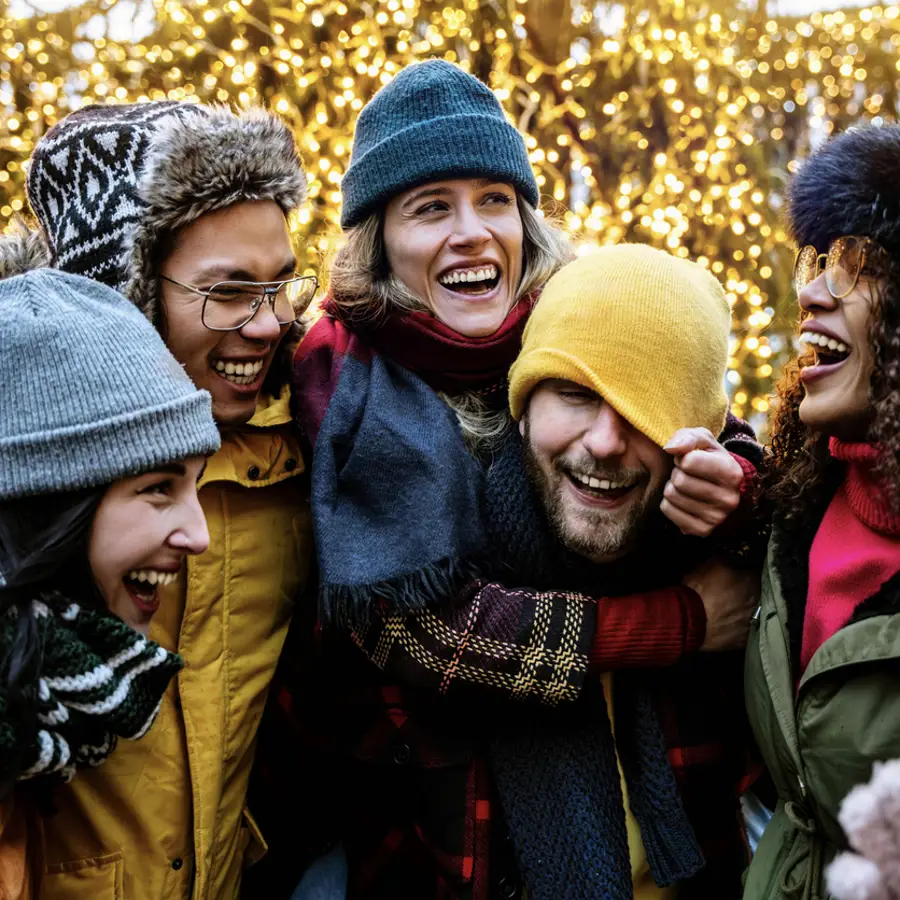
(658, 463)
(552, 436)
(512, 240)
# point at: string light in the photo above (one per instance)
(671, 125)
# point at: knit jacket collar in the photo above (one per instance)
(866, 494)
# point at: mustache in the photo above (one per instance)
(587, 467)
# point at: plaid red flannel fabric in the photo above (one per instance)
(403, 773)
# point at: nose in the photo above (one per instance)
(816, 296)
(263, 327)
(607, 436)
(191, 535)
(469, 229)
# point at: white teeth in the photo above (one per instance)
(821, 340)
(599, 484)
(239, 373)
(153, 576)
(483, 273)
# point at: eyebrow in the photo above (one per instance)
(220, 273)
(443, 191)
(169, 469)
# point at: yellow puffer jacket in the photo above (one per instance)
(164, 817)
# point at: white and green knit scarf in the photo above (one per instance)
(94, 680)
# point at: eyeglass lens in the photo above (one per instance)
(842, 265)
(231, 304)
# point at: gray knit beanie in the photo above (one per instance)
(90, 392)
(433, 121)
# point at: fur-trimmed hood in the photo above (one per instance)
(109, 184)
(850, 186)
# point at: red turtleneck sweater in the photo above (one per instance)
(856, 549)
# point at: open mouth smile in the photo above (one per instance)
(601, 491)
(143, 587)
(830, 354)
(239, 373)
(478, 281)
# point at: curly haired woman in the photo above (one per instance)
(822, 673)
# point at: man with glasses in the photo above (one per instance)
(184, 208)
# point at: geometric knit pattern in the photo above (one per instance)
(83, 182)
(93, 681)
(109, 184)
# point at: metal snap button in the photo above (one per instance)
(253, 473)
(402, 754)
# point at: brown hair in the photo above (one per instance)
(365, 290)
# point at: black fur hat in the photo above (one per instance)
(850, 186)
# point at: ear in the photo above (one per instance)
(522, 426)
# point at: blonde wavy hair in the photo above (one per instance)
(366, 291)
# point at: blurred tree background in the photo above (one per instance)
(675, 124)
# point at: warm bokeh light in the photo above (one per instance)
(668, 124)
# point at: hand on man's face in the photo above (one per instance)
(730, 597)
(705, 485)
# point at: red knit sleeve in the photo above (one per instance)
(652, 630)
(739, 519)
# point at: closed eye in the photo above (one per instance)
(162, 488)
(432, 206)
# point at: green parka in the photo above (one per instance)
(821, 738)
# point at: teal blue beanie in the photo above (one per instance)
(90, 392)
(433, 121)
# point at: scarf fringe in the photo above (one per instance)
(426, 588)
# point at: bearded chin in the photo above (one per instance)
(600, 536)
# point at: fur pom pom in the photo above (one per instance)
(870, 816)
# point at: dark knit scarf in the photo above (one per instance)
(556, 773)
(92, 681)
(396, 497)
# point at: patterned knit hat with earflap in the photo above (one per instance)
(111, 184)
(645, 330)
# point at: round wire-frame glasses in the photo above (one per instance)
(843, 263)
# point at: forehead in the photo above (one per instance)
(249, 237)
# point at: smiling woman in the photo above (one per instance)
(100, 455)
(831, 589)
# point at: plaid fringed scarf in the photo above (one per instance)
(396, 497)
(93, 681)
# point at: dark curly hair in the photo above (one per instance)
(801, 463)
(850, 186)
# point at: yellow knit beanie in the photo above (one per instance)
(645, 330)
